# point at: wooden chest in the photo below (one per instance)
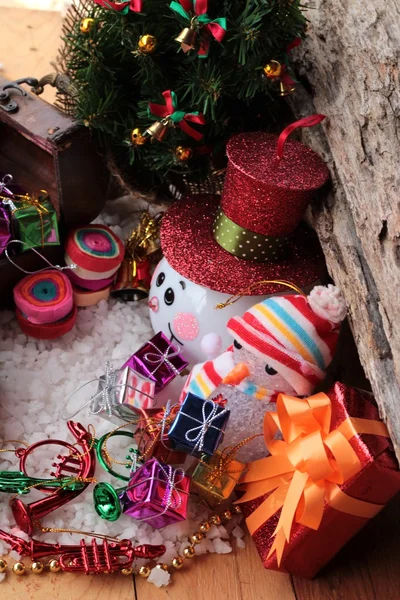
(45, 149)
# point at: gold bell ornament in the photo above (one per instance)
(187, 38)
(273, 69)
(286, 87)
(158, 130)
(183, 154)
(147, 44)
(137, 138)
(86, 25)
(133, 277)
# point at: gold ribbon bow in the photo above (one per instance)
(143, 241)
(306, 467)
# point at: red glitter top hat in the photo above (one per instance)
(253, 233)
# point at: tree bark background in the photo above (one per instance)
(350, 69)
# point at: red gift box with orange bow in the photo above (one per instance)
(331, 470)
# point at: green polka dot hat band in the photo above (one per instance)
(247, 244)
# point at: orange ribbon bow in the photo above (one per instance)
(306, 467)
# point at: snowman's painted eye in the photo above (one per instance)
(269, 370)
(237, 345)
(169, 296)
(160, 279)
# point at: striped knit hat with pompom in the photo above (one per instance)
(295, 335)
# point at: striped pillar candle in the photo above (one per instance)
(48, 331)
(88, 284)
(83, 298)
(44, 297)
(95, 250)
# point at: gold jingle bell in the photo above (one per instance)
(129, 286)
(183, 153)
(86, 25)
(147, 43)
(273, 69)
(158, 130)
(286, 88)
(137, 138)
(187, 38)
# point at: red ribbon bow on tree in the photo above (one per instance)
(123, 7)
(178, 117)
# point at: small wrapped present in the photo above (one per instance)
(199, 426)
(34, 220)
(159, 360)
(133, 390)
(332, 471)
(219, 475)
(158, 494)
(121, 394)
(127, 392)
(153, 436)
(5, 229)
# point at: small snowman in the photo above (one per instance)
(281, 345)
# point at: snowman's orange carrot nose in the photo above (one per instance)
(238, 373)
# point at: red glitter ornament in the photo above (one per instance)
(269, 182)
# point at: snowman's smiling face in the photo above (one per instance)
(173, 303)
(185, 313)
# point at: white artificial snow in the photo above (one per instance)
(159, 577)
(221, 547)
(36, 380)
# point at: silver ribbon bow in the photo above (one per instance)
(158, 358)
(197, 434)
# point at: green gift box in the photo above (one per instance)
(35, 221)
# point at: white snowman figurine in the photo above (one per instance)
(185, 312)
(243, 242)
(281, 345)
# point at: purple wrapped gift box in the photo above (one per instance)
(159, 360)
(158, 494)
(5, 229)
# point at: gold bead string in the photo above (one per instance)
(177, 562)
(246, 292)
(12, 442)
(99, 536)
(108, 458)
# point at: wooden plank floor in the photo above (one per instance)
(367, 569)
